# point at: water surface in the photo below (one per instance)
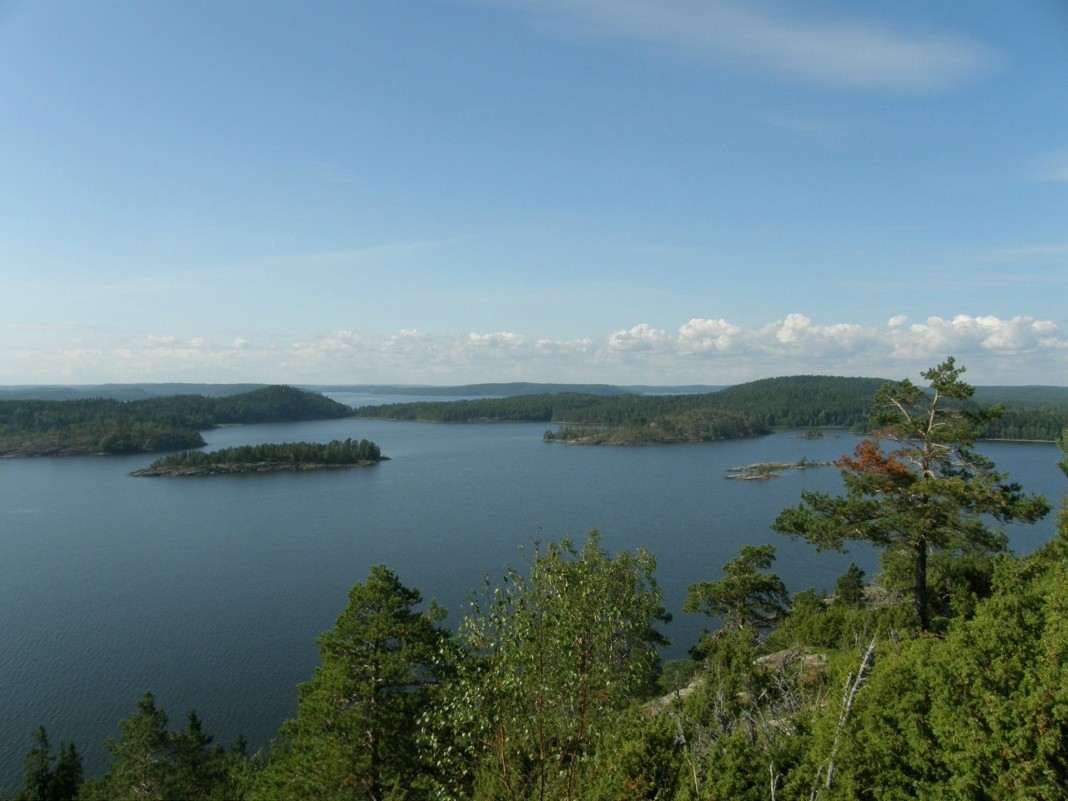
(211, 591)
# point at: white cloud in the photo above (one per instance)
(702, 350)
(842, 53)
(708, 335)
(963, 334)
(640, 337)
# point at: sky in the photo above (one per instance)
(456, 191)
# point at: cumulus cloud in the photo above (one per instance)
(702, 350)
(640, 337)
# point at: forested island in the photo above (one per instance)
(266, 458)
(92, 426)
(1030, 413)
(942, 677)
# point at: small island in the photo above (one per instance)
(765, 470)
(266, 458)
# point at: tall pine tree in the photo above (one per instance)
(354, 734)
(932, 493)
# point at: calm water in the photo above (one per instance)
(210, 592)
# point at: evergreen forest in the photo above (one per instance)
(941, 677)
(1028, 413)
(107, 426)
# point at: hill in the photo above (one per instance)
(123, 392)
(1037, 413)
(101, 425)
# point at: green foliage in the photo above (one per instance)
(640, 759)
(798, 401)
(1038, 413)
(1062, 443)
(982, 713)
(548, 663)
(849, 589)
(354, 734)
(934, 493)
(89, 426)
(801, 401)
(814, 623)
(747, 595)
(695, 425)
(48, 775)
(152, 763)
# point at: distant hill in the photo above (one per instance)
(802, 400)
(791, 401)
(123, 392)
(490, 390)
(84, 426)
(1026, 397)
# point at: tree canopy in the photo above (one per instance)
(90, 426)
(932, 492)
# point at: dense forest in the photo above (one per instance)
(694, 425)
(1034, 413)
(267, 457)
(942, 677)
(108, 426)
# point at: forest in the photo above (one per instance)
(692, 425)
(1035, 413)
(941, 677)
(107, 426)
(266, 457)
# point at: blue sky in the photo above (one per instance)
(451, 191)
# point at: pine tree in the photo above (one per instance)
(747, 595)
(354, 734)
(49, 776)
(934, 492)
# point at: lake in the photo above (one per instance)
(210, 591)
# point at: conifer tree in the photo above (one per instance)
(354, 734)
(933, 492)
(50, 776)
(747, 595)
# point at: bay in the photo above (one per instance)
(210, 592)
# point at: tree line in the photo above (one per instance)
(88, 426)
(695, 425)
(792, 402)
(941, 678)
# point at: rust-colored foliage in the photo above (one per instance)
(884, 469)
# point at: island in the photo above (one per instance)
(266, 458)
(765, 470)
